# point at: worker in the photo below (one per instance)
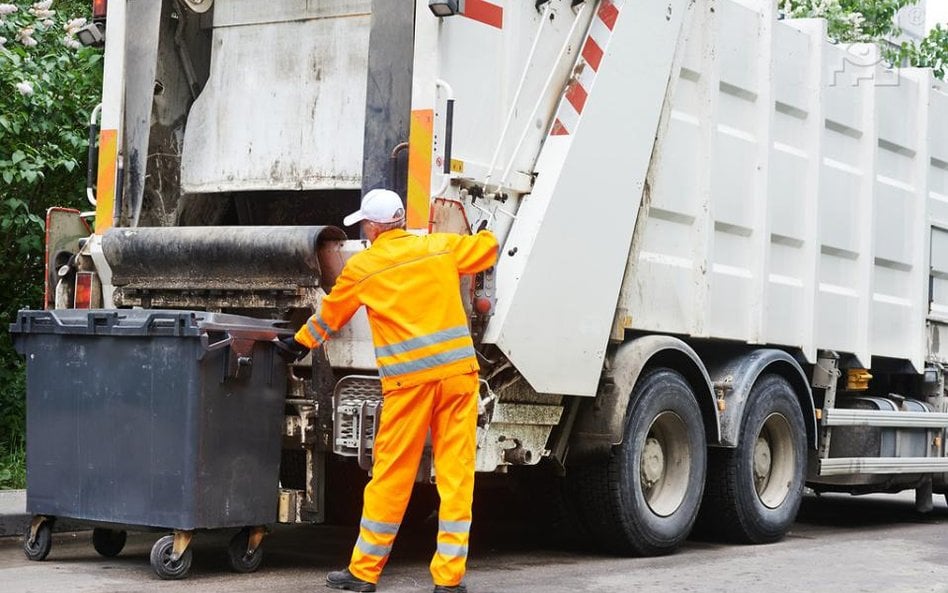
(410, 287)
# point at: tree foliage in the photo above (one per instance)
(878, 21)
(49, 84)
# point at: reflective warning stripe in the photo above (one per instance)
(454, 526)
(428, 362)
(484, 12)
(420, 146)
(454, 550)
(372, 549)
(422, 341)
(380, 526)
(318, 336)
(581, 85)
(106, 180)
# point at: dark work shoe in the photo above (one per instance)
(455, 589)
(343, 579)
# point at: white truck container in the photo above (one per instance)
(724, 266)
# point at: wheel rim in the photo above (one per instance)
(171, 566)
(774, 461)
(665, 464)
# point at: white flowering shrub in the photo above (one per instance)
(49, 84)
(851, 21)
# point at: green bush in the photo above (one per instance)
(48, 87)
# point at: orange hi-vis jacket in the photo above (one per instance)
(410, 286)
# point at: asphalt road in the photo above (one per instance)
(840, 544)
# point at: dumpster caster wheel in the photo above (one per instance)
(242, 558)
(108, 542)
(39, 539)
(162, 560)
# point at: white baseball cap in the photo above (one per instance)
(379, 205)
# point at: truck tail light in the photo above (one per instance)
(84, 282)
(99, 9)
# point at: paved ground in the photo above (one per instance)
(12, 512)
(840, 544)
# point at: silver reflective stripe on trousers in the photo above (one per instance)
(422, 341)
(454, 550)
(379, 526)
(372, 549)
(454, 526)
(428, 362)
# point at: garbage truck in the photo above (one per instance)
(723, 274)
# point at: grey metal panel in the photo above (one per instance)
(141, 47)
(388, 93)
(284, 106)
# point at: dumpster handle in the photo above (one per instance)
(180, 321)
(223, 343)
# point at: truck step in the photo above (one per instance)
(841, 417)
(882, 465)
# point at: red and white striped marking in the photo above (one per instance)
(484, 12)
(579, 87)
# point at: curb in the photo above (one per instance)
(13, 517)
(15, 521)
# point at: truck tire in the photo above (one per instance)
(754, 491)
(643, 499)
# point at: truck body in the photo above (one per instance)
(724, 239)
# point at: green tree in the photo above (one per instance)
(49, 84)
(852, 21)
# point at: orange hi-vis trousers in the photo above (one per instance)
(449, 408)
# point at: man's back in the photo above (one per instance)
(410, 286)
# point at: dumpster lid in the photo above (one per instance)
(144, 322)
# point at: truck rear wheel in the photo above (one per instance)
(754, 491)
(644, 498)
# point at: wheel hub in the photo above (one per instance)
(653, 462)
(774, 461)
(762, 463)
(665, 463)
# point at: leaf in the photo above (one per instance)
(8, 176)
(18, 156)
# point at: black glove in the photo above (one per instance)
(289, 349)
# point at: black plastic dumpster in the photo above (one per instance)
(157, 419)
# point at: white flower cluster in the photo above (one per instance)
(6, 9)
(831, 10)
(42, 12)
(25, 36)
(72, 27)
(25, 88)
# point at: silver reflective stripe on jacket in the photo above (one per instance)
(428, 362)
(444, 335)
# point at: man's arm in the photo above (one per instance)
(337, 309)
(473, 253)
